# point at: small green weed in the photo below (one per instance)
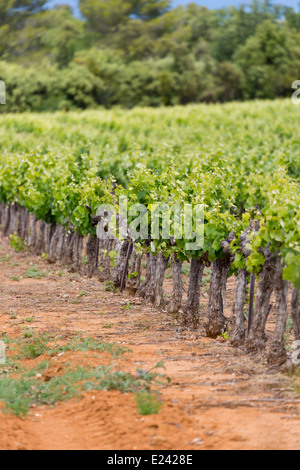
(148, 403)
(4, 259)
(83, 294)
(17, 243)
(110, 287)
(34, 273)
(224, 335)
(128, 306)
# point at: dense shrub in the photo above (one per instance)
(144, 53)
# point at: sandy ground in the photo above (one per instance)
(219, 397)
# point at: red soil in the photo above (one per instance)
(219, 397)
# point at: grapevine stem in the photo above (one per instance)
(251, 302)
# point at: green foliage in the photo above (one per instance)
(105, 16)
(19, 394)
(225, 336)
(33, 347)
(148, 403)
(110, 287)
(83, 293)
(17, 243)
(128, 306)
(226, 158)
(34, 273)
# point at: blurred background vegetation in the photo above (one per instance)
(145, 53)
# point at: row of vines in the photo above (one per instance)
(249, 190)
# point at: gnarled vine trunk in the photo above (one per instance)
(14, 219)
(32, 236)
(91, 252)
(118, 270)
(22, 223)
(56, 245)
(77, 253)
(154, 288)
(161, 266)
(105, 274)
(68, 252)
(49, 231)
(191, 310)
(40, 243)
(267, 280)
(176, 299)
(238, 332)
(134, 272)
(277, 353)
(141, 292)
(217, 322)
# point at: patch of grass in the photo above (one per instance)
(290, 324)
(29, 320)
(128, 306)
(106, 379)
(287, 342)
(34, 273)
(20, 394)
(6, 339)
(110, 287)
(32, 346)
(206, 280)
(27, 333)
(83, 293)
(108, 325)
(38, 369)
(186, 269)
(90, 344)
(168, 274)
(15, 278)
(148, 403)
(5, 259)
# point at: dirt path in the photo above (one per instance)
(219, 397)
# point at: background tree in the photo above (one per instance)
(105, 16)
(144, 52)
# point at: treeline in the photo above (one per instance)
(144, 53)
